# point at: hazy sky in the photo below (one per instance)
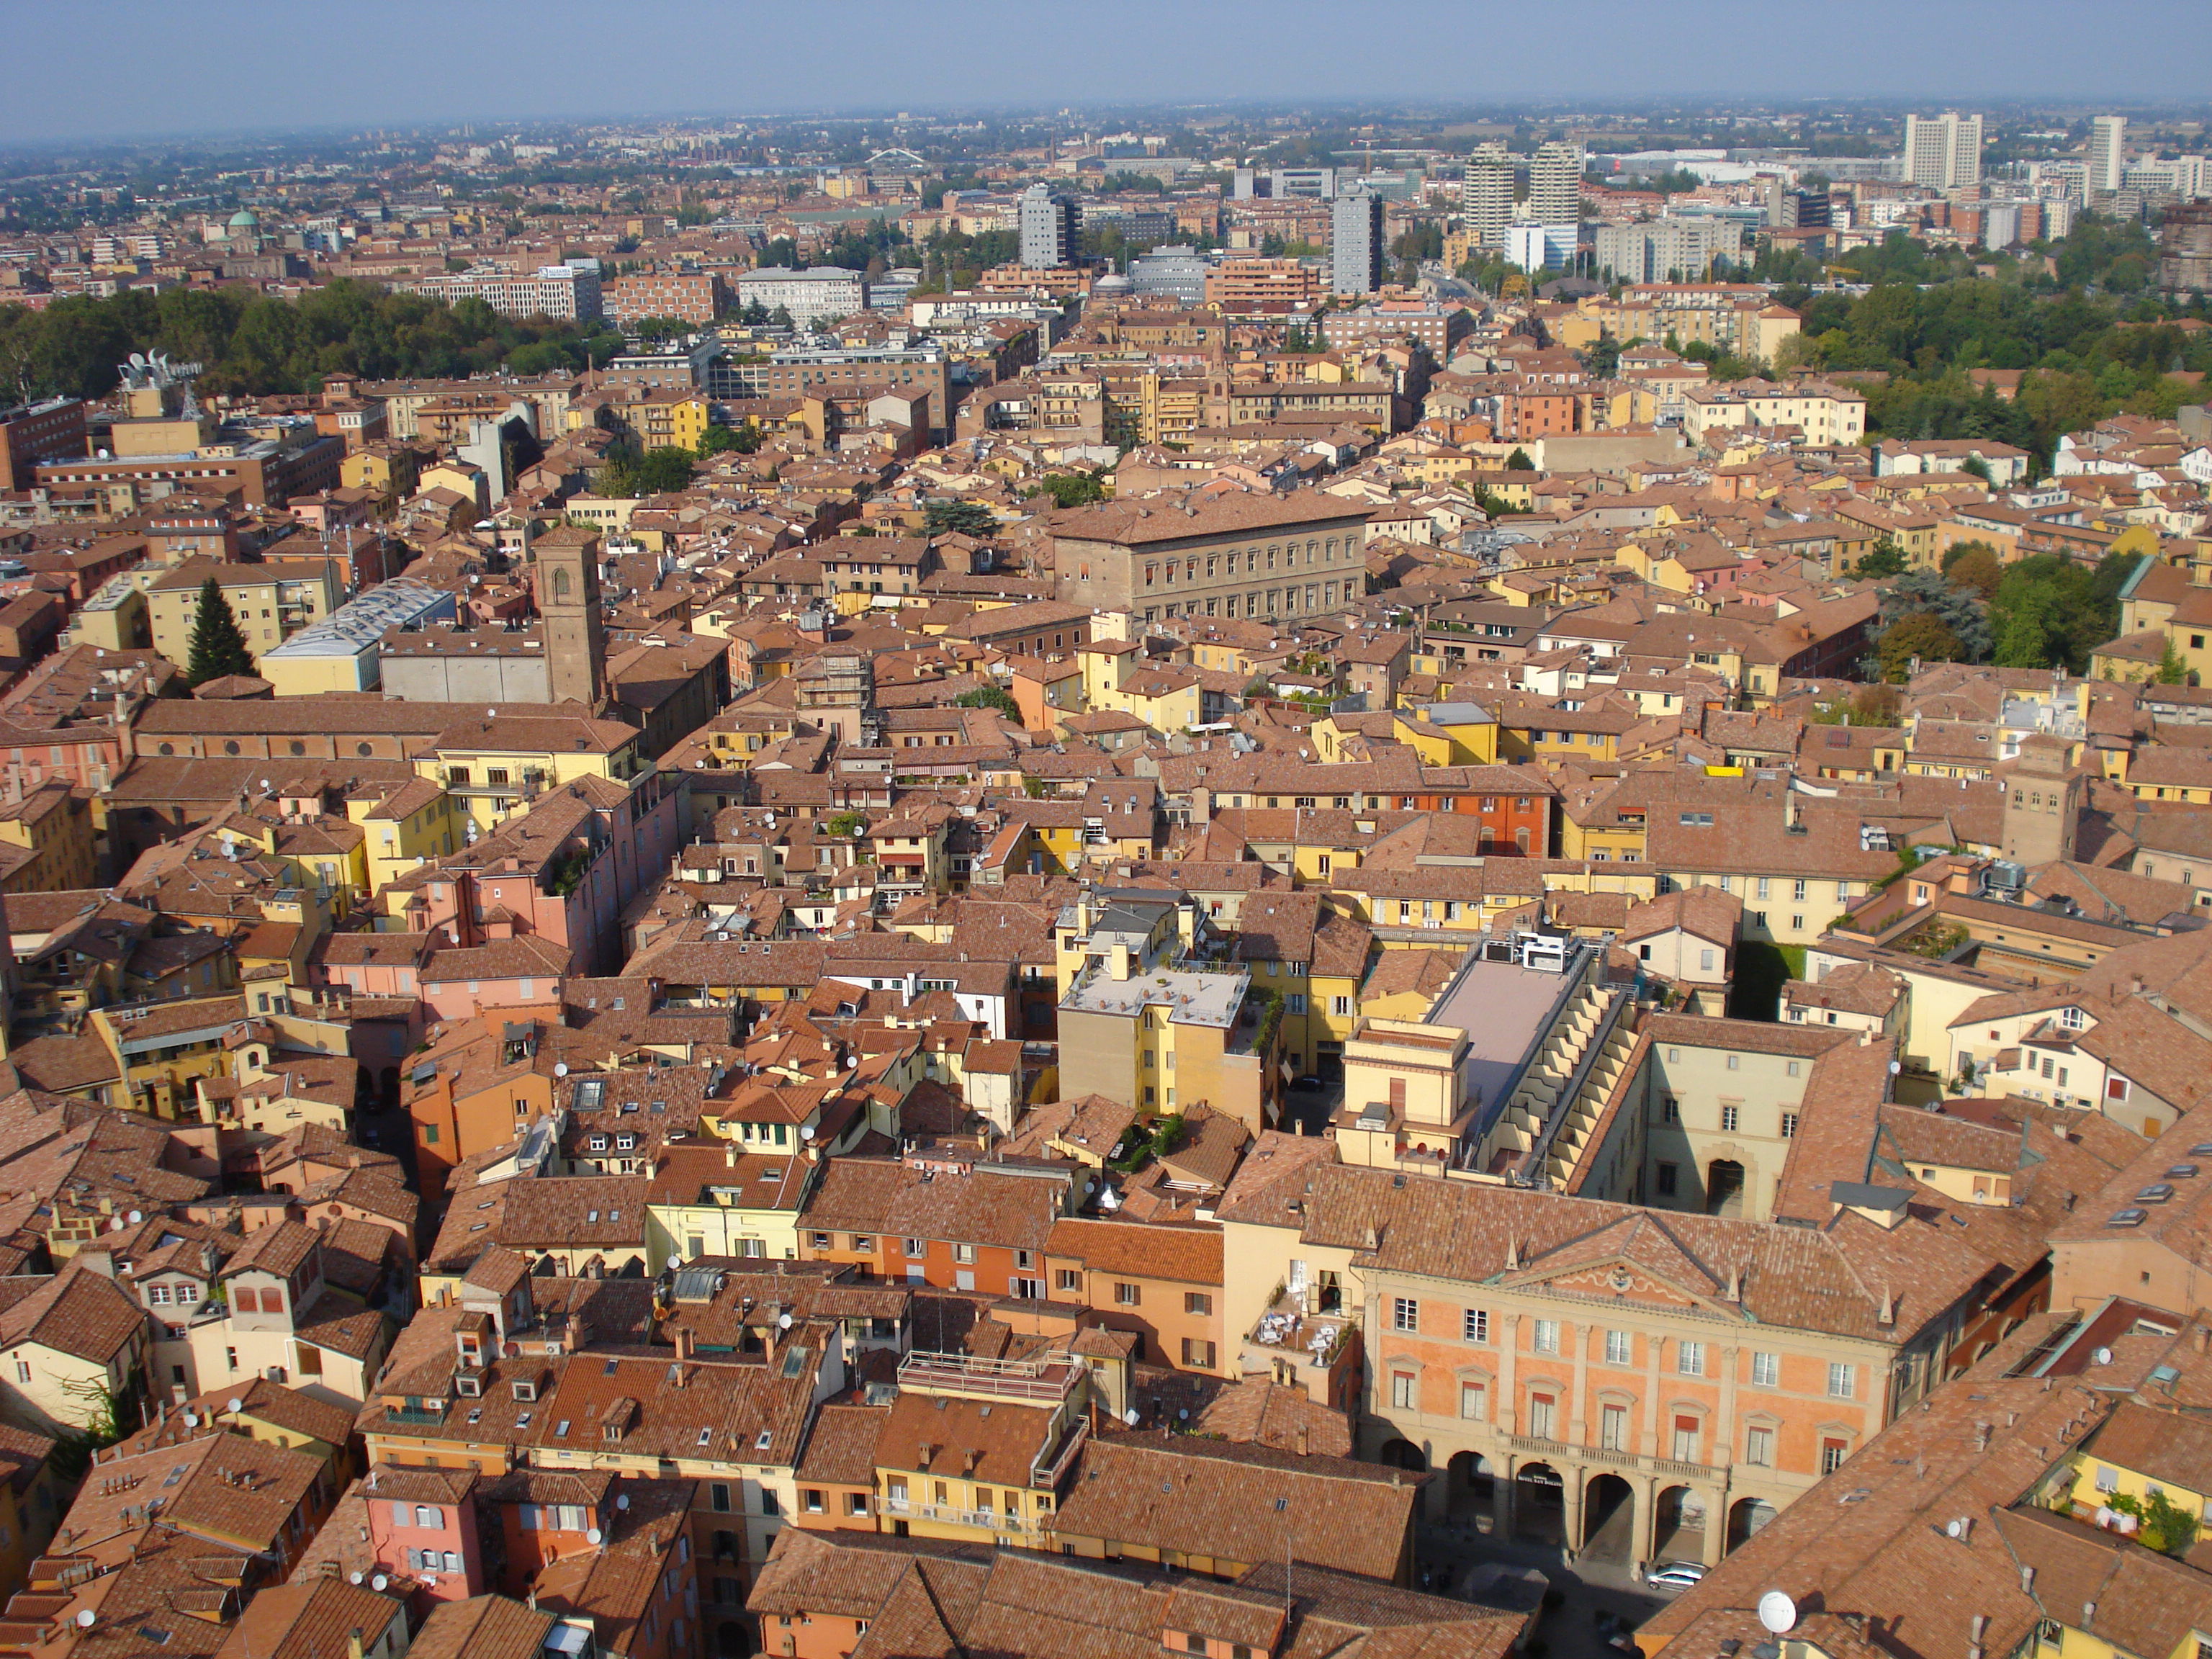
(133, 67)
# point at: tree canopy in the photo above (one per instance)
(254, 343)
(959, 519)
(990, 696)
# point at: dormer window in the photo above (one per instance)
(525, 1389)
(470, 1387)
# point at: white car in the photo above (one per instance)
(1676, 1576)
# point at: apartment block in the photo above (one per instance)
(695, 297)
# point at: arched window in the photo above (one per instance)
(561, 585)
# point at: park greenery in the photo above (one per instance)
(253, 343)
(2042, 611)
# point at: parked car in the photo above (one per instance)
(1675, 1576)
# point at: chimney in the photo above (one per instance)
(352, 1644)
(683, 1338)
(1305, 1440)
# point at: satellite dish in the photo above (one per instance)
(137, 1216)
(353, 1578)
(593, 1535)
(86, 1618)
(1130, 1416)
(2103, 1356)
(1778, 1613)
(1183, 1412)
(560, 1068)
(783, 1321)
(806, 1132)
(1895, 1066)
(236, 1404)
(191, 1421)
(621, 1502)
(378, 1582)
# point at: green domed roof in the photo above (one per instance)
(243, 220)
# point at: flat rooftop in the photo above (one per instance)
(1506, 1010)
(1192, 998)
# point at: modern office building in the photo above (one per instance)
(1313, 184)
(1943, 151)
(1555, 184)
(1487, 196)
(1176, 273)
(1541, 247)
(569, 292)
(1049, 225)
(2108, 138)
(1356, 243)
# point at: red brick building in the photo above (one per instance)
(694, 296)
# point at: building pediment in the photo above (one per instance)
(1619, 1279)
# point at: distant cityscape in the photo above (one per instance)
(1240, 881)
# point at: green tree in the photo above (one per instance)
(730, 440)
(1919, 636)
(2171, 670)
(218, 648)
(1518, 461)
(959, 519)
(1884, 558)
(1974, 565)
(991, 696)
(1072, 489)
(2052, 612)
(1956, 607)
(664, 470)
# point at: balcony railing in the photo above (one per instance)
(952, 1514)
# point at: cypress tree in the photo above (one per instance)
(218, 648)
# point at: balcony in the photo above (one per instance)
(1051, 1464)
(952, 1514)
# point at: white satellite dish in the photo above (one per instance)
(191, 1421)
(806, 1132)
(593, 1535)
(378, 1582)
(1778, 1613)
(783, 1321)
(1130, 1416)
(560, 1068)
(2103, 1356)
(236, 1404)
(353, 1578)
(86, 1618)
